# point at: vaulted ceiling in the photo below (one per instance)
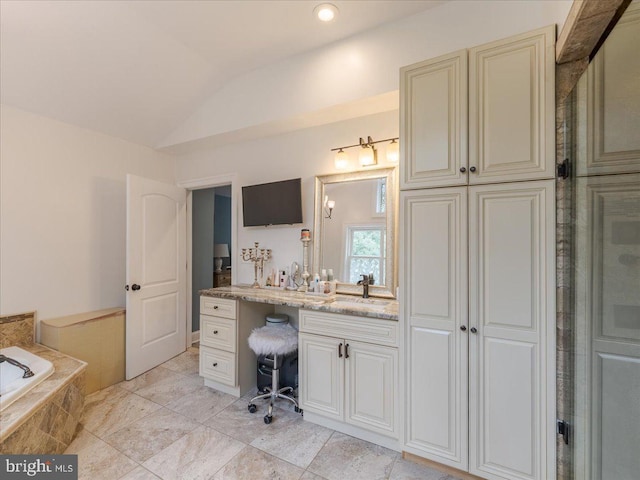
(137, 69)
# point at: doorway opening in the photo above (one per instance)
(210, 242)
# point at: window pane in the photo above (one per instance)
(366, 243)
(381, 197)
(364, 266)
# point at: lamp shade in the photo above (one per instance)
(220, 250)
(367, 156)
(341, 160)
(393, 152)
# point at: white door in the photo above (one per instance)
(512, 330)
(511, 108)
(434, 265)
(433, 116)
(321, 361)
(156, 273)
(371, 381)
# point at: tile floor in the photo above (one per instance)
(166, 424)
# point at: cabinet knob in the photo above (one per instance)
(472, 169)
(474, 330)
(462, 169)
(215, 307)
(463, 328)
(215, 332)
(215, 364)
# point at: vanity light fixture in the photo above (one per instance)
(325, 12)
(341, 160)
(393, 151)
(328, 206)
(368, 155)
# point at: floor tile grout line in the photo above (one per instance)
(319, 450)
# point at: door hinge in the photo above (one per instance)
(564, 169)
(563, 429)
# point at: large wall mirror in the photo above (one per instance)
(358, 236)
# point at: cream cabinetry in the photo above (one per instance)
(608, 102)
(478, 257)
(433, 122)
(226, 361)
(487, 352)
(504, 99)
(349, 374)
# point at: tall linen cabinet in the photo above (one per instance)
(478, 257)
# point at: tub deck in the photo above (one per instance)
(38, 400)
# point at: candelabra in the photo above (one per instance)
(258, 256)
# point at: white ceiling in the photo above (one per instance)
(137, 69)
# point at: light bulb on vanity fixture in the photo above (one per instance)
(368, 155)
(393, 152)
(341, 160)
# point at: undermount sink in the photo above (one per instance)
(369, 303)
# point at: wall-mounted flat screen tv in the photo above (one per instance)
(276, 203)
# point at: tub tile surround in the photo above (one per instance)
(45, 419)
(225, 442)
(17, 330)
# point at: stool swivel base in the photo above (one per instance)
(273, 393)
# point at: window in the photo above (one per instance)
(380, 200)
(366, 247)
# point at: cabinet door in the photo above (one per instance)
(512, 108)
(613, 103)
(512, 353)
(321, 375)
(434, 271)
(371, 381)
(433, 122)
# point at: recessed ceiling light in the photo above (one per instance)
(325, 12)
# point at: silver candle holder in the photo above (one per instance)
(258, 256)
(305, 238)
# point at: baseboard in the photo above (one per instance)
(195, 337)
(438, 466)
(361, 433)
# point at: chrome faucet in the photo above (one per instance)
(27, 371)
(365, 286)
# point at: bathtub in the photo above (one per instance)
(12, 385)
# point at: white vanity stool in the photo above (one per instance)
(274, 340)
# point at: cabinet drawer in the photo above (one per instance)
(219, 307)
(218, 332)
(365, 329)
(218, 365)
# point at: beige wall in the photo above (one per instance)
(304, 153)
(62, 214)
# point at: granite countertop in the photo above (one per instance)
(66, 370)
(345, 304)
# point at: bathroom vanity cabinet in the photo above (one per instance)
(226, 361)
(349, 374)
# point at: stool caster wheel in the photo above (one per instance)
(267, 419)
(252, 408)
(298, 410)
